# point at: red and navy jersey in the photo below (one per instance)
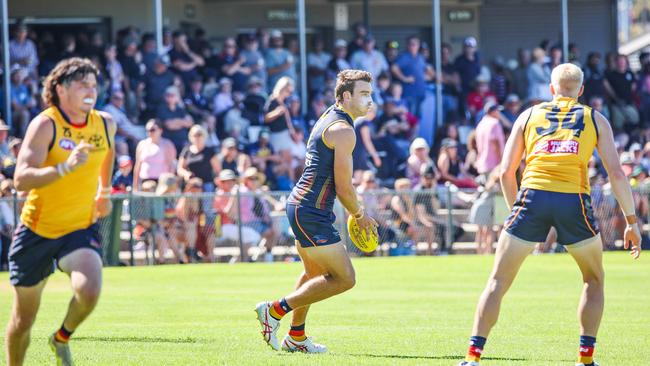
(315, 188)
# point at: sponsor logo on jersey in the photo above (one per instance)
(67, 144)
(557, 147)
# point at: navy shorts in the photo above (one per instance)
(32, 257)
(535, 211)
(311, 226)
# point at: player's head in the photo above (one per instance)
(72, 83)
(354, 92)
(566, 80)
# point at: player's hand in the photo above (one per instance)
(104, 205)
(368, 225)
(79, 155)
(632, 236)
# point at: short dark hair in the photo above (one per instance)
(345, 81)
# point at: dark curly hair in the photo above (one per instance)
(64, 73)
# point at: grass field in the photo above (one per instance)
(403, 311)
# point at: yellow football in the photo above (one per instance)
(365, 243)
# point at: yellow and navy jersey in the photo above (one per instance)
(559, 137)
(68, 203)
(315, 188)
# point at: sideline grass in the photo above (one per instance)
(403, 311)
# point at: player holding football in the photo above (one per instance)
(65, 164)
(328, 270)
(558, 139)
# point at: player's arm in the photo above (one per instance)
(342, 137)
(620, 185)
(512, 158)
(30, 173)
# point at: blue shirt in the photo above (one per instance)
(413, 66)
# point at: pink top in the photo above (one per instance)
(153, 159)
(488, 131)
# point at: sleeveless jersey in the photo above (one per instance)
(68, 203)
(559, 137)
(315, 188)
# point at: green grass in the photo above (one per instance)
(403, 311)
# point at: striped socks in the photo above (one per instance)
(476, 345)
(279, 309)
(62, 335)
(586, 350)
(297, 332)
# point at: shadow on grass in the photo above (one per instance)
(139, 339)
(447, 357)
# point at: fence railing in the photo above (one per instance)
(245, 226)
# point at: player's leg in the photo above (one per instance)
(84, 266)
(23, 313)
(588, 256)
(312, 269)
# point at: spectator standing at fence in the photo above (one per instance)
(188, 211)
(405, 213)
(153, 156)
(426, 207)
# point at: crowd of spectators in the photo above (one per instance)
(205, 116)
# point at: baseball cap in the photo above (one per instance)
(638, 171)
(227, 174)
(470, 42)
(276, 33)
(340, 43)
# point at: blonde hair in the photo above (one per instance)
(567, 80)
(280, 85)
(419, 142)
(346, 79)
(402, 183)
(197, 129)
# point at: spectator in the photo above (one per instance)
(419, 157)
(22, 51)
(22, 101)
(482, 214)
(594, 78)
(427, 205)
(5, 151)
(574, 54)
(279, 61)
(123, 178)
(598, 104)
(230, 64)
(188, 211)
(539, 77)
(185, 62)
(196, 103)
(69, 49)
(197, 160)
(481, 93)
(375, 203)
(223, 99)
(401, 129)
(298, 153)
(254, 60)
(490, 140)
(410, 69)
(128, 134)
(555, 57)
(149, 51)
(391, 52)
(113, 68)
(364, 150)
(501, 80)
(254, 101)
(339, 61)
(369, 59)
(623, 86)
(404, 212)
(225, 205)
(131, 61)
(230, 157)
(257, 206)
(520, 74)
(451, 167)
(295, 110)
(472, 155)
(264, 158)
(153, 156)
(356, 43)
(174, 118)
(451, 83)
(167, 189)
(278, 117)
(156, 82)
(235, 124)
(317, 62)
(468, 64)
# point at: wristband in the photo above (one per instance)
(66, 167)
(630, 219)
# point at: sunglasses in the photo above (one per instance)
(152, 129)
